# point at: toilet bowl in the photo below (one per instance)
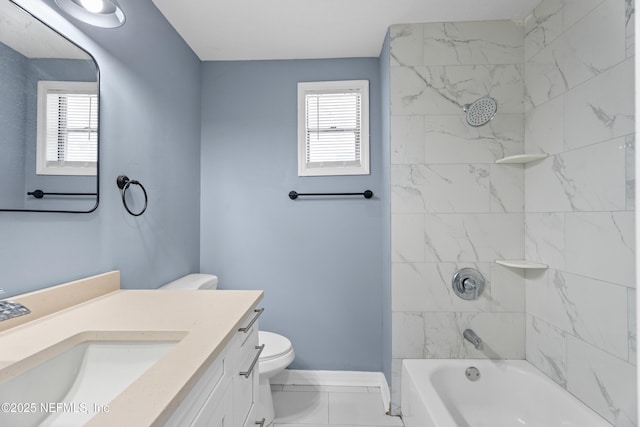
(277, 354)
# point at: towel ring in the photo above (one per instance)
(124, 183)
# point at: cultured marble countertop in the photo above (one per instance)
(202, 321)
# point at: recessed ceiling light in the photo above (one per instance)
(100, 13)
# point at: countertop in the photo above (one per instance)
(203, 322)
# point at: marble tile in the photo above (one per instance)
(601, 245)
(359, 409)
(566, 182)
(473, 237)
(406, 44)
(507, 188)
(590, 47)
(602, 381)
(575, 10)
(544, 239)
(447, 89)
(630, 19)
(396, 385)
(407, 238)
(547, 349)
(407, 335)
(482, 42)
(631, 318)
(544, 128)
(303, 407)
(601, 109)
(450, 139)
(630, 171)
(588, 309)
(542, 26)
(427, 287)
(507, 289)
(407, 140)
(501, 333)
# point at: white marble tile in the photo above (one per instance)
(501, 333)
(406, 188)
(507, 289)
(407, 238)
(589, 309)
(601, 109)
(544, 239)
(567, 182)
(507, 188)
(407, 140)
(601, 245)
(407, 335)
(473, 237)
(450, 139)
(406, 44)
(630, 171)
(590, 47)
(482, 42)
(547, 349)
(575, 10)
(544, 128)
(303, 407)
(427, 287)
(632, 320)
(602, 381)
(447, 89)
(396, 385)
(542, 26)
(630, 19)
(359, 409)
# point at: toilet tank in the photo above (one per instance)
(193, 282)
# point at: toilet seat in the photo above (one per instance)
(275, 346)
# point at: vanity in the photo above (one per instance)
(169, 358)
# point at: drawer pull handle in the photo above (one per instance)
(261, 422)
(248, 327)
(247, 373)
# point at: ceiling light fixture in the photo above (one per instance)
(100, 13)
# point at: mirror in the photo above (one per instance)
(48, 118)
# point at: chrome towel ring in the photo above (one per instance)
(123, 184)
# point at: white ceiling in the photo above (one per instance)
(300, 29)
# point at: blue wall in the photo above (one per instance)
(150, 130)
(318, 260)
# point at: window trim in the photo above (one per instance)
(45, 87)
(304, 88)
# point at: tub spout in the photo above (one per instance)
(471, 336)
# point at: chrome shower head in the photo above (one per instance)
(481, 112)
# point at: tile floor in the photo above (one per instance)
(323, 406)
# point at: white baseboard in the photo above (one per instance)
(336, 378)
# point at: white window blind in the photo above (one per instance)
(67, 128)
(333, 128)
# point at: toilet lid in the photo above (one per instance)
(274, 345)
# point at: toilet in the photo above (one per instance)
(277, 354)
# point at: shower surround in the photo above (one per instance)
(563, 80)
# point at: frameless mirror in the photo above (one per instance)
(49, 98)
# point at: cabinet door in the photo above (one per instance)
(216, 412)
(245, 387)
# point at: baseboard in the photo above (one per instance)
(336, 378)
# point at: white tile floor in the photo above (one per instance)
(322, 406)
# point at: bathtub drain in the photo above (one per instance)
(472, 373)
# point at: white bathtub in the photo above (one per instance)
(437, 393)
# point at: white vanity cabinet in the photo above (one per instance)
(226, 394)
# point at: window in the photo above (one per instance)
(67, 135)
(333, 128)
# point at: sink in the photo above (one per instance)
(68, 387)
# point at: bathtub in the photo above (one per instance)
(437, 393)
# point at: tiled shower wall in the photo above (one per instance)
(564, 85)
(579, 202)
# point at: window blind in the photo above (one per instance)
(72, 129)
(333, 128)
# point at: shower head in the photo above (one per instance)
(481, 112)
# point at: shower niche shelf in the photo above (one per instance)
(521, 263)
(522, 158)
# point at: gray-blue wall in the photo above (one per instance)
(318, 260)
(150, 130)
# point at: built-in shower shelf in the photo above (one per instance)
(521, 263)
(522, 158)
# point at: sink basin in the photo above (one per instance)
(71, 386)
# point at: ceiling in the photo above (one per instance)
(301, 29)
